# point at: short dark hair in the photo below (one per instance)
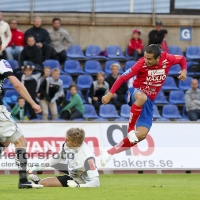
(30, 36)
(56, 19)
(73, 85)
(0, 41)
(154, 49)
(20, 98)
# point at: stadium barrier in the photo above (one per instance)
(168, 146)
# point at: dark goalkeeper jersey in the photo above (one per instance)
(5, 71)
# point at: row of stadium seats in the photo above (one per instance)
(109, 111)
(84, 82)
(115, 52)
(92, 67)
(175, 97)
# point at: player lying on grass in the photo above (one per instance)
(9, 130)
(79, 160)
(151, 72)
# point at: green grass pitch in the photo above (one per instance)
(113, 187)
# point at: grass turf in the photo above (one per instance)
(113, 187)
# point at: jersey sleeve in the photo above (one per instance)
(131, 72)
(5, 68)
(178, 59)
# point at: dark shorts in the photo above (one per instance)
(63, 180)
(146, 117)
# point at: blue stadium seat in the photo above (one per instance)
(75, 51)
(162, 119)
(161, 99)
(127, 56)
(67, 96)
(7, 85)
(171, 112)
(176, 50)
(73, 67)
(125, 111)
(100, 119)
(92, 52)
(113, 50)
(184, 113)
(14, 64)
(108, 111)
(84, 82)
(67, 81)
(174, 70)
(121, 119)
(177, 97)
(108, 65)
(169, 84)
(90, 112)
(10, 93)
(185, 85)
(53, 64)
(93, 67)
(11, 96)
(156, 113)
(193, 52)
(129, 64)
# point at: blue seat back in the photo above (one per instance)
(113, 49)
(67, 80)
(129, 64)
(177, 97)
(92, 50)
(84, 81)
(13, 63)
(52, 64)
(108, 111)
(185, 85)
(176, 50)
(125, 111)
(93, 66)
(170, 111)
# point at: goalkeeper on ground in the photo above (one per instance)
(80, 164)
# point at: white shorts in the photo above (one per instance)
(8, 127)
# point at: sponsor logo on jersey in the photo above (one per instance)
(92, 164)
(156, 72)
(156, 78)
(6, 63)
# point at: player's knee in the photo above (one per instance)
(140, 97)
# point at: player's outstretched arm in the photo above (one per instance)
(182, 75)
(106, 99)
(24, 93)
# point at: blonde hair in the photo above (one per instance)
(55, 70)
(76, 134)
(47, 67)
(115, 64)
(101, 73)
